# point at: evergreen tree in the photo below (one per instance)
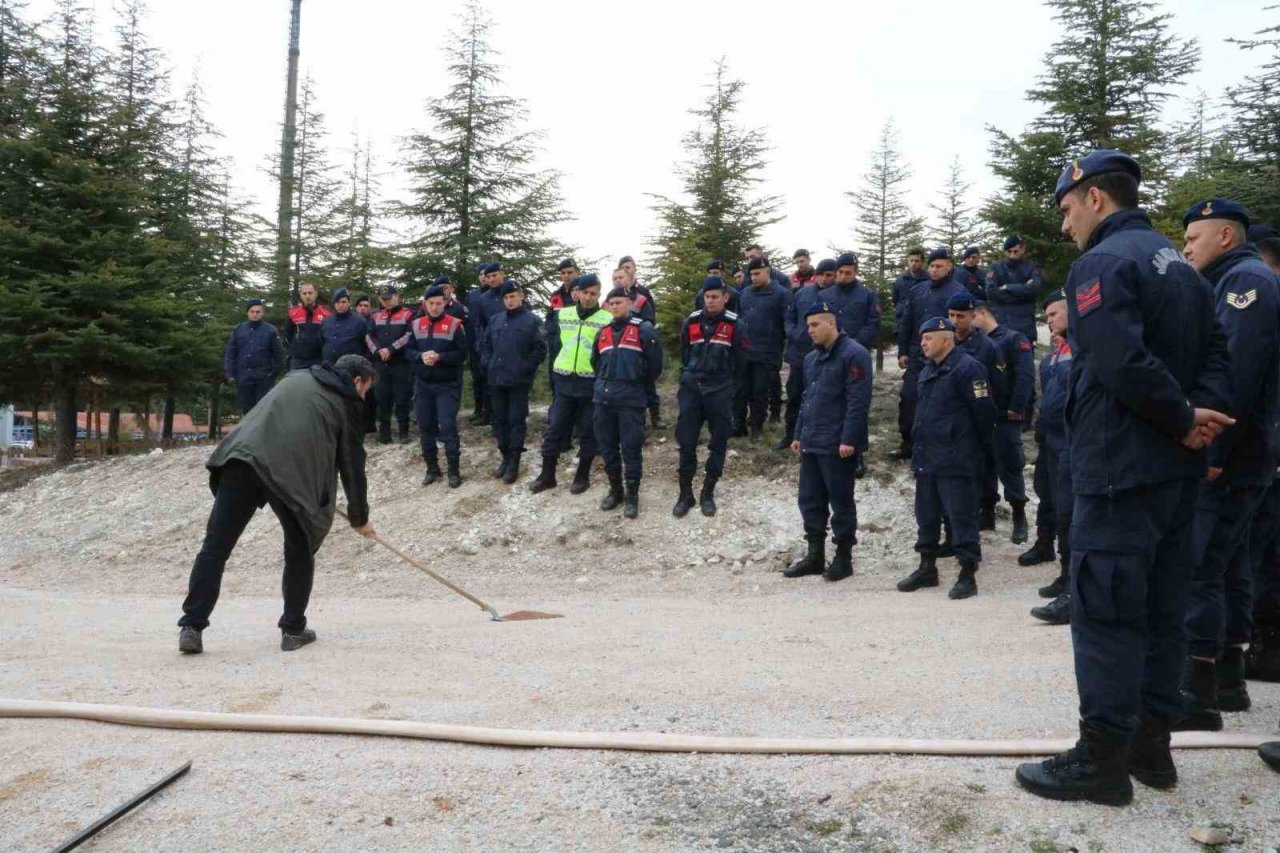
(721, 211)
(956, 224)
(1255, 130)
(359, 261)
(887, 228)
(316, 229)
(1104, 85)
(476, 192)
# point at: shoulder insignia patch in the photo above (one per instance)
(731, 315)
(1242, 300)
(697, 313)
(1024, 345)
(857, 372)
(980, 388)
(1001, 366)
(1088, 297)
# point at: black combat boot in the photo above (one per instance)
(1061, 585)
(404, 433)
(513, 467)
(1095, 769)
(966, 585)
(685, 501)
(987, 517)
(501, 470)
(707, 499)
(1019, 534)
(1233, 693)
(1150, 759)
(811, 563)
(655, 418)
(581, 477)
(1199, 698)
(613, 499)
(783, 443)
(925, 575)
(433, 471)
(189, 642)
(631, 499)
(1262, 663)
(902, 454)
(1270, 753)
(739, 430)
(1040, 552)
(292, 641)
(384, 432)
(455, 473)
(546, 478)
(860, 466)
(842, 566)
(1056, 612)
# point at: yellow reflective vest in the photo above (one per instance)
(577, 336)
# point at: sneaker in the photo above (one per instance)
(292, 642)
(189, 642)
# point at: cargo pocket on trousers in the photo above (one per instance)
(1098, 586)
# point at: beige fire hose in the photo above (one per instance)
(631, 741)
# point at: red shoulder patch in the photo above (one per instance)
(1025, 346)
(1088, 297)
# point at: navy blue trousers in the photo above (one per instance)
(570, 416)
(249, 393)
(393, 390)
(795, 395)
(1220, 606)
(1264, 560)
(1042, 484)
(620, 437)
(955, 499)
(697, 407)
(510, 415)
(1010, 459)
(826, 493)
(752, 398)
(479, 383)
(988, 482)
(908, 397)
(1131, 564)
(436, 406)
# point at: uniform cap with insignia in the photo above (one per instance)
(442, 279)
(826, 265)
(433, 291)
(759, 262)
(387, 290)
(618, 292)
(1056, 296)
(936, 324)
(341, 293)
(567, 264)
(713, 282)
(847, 259)
(1011, 241)
(1100, 162)
(715, 265)
(942, 253)
(819, 308)
(1216, 208)
(969, 252)
(507, 286)
(491, 268)
(584, 281)
(252, 302)
(961, 302)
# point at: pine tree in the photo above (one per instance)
(956, 224)
(722, 210)
(359, 261)
(887, 228)
(476, 192)
(1255, 130)
(316, 188)
(1105, 83)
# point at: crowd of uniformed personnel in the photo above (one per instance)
(1157, 427)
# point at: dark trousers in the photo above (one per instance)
(826, 492)
(249, 393)
(479, 385)
(393, 390)
(620, 437)
(1130, 568)
(1063, 496)
(952, 498)
(1010, 459)
(435, 405)
(908, 397)
(241, 493)
(988, 480)
(1042, 484)
(775, 393)
(752, 398)
(697, 407)
(651, 395)
(1264, 560)
(1220, 605)
(795, 395)
(370, 412)
(510, 414)
(570, 416)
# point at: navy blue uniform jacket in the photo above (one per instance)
(1012, 289)
(953, 418)
(762, 314)
(974, 281)
(837, 398)
(626, 357)
(1148, 348)
(1020, 369)
(344, 334)
(253, 352)
(925, 301)
(983, 350)
(1055, 377)
(857, 311)
(512, 348)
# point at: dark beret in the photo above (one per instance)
(940, 254)
(433, 291)
(819, 308)
(715, 265)
(936, 324)
(713, 283)
(1100, 162)
(1011, 241)
(364, 297)
(961, 302)
(618, 292)
(441, 279)
(252, 302)
(567, 264)
(970, 251)
(491, 268)
(341, 293)
(1056, 296)
(584, 281)
(759, 262)
(848, 259)
(508, 286)
(1216, 208)
(1262, 232)
(387, 290)
(826, 265)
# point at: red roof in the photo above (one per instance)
(131, 423)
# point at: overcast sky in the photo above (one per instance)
(611, 83)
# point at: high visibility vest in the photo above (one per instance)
(576, 338)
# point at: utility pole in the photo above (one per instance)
(284, 221)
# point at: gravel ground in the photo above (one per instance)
(669, 626)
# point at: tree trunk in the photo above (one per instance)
(35, 425)
(879, 359)
(215, 413)
(166, 429)
(113, 431)
(64, 406)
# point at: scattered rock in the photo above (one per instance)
(1209, 835)
(762, 555)
(388, 821)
